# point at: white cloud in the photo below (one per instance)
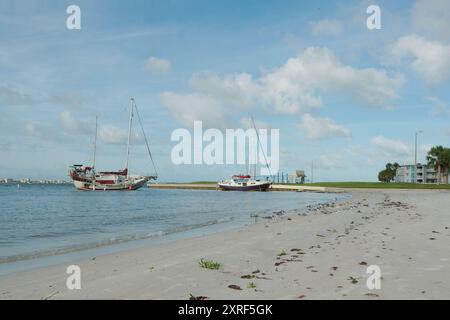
(236, 90)
(214, 100)
(391, 148)
(432, 18)
(294, 88)
(430, 59)
(326, 27)
(187, 108)
(158, 66)
(322, 128)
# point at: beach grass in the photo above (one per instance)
(209, 264)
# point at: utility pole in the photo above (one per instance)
(415, 156)
(312, 171)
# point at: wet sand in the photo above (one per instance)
(322, 255)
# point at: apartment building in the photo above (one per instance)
(425, 174)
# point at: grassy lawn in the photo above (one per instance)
(380, 185)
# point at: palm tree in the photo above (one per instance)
(439, 158)
(446, 163)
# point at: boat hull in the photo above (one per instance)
(257, 187)
(126, 186)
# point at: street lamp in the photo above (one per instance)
(415, 156)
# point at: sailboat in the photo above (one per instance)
(87, 178)
(245, 182)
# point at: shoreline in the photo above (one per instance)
(405, 232)
(56, 255)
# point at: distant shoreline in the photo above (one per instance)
(35, 183)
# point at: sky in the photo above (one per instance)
(346, 99)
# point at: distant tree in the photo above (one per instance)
(388, 174)
(384, 176)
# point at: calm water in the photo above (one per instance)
(39, 221)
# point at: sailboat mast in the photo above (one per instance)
(129, 134)
(95, 143)
(260, 145)
(256, 160)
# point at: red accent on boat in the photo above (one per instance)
(241, 177)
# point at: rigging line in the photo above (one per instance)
(145, 138)
(260, 144)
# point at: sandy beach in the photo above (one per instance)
(322, 255)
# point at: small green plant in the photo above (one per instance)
(251, 285)
(209, 264)
(282, 253)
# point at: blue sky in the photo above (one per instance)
(344, 97)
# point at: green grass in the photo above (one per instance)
(251, 285)
(378, 185)
(209, 264)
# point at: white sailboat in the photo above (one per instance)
(245, 182)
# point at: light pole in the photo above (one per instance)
(415, 156)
